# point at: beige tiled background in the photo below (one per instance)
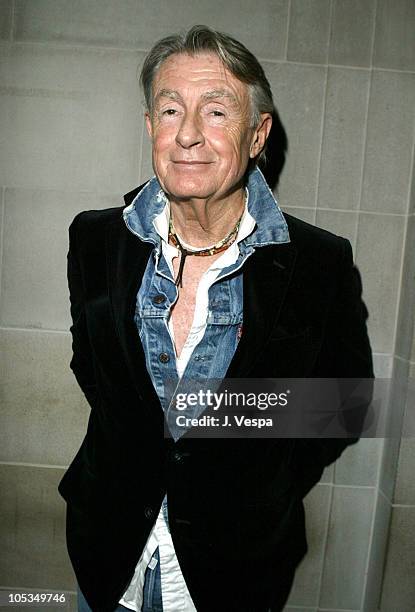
(72, 138)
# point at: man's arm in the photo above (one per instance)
(346, 354)
(81, 362)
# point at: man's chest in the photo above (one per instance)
(183, 310)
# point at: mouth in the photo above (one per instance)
(191, 163)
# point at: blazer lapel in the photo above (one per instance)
(267, 277)
(127, 257)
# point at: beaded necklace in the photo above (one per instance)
(216, 248)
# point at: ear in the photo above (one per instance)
(149, 125)
(260, 135)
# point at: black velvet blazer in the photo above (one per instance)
(235, 506)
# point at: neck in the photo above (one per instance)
(202, 223)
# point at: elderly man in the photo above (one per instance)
(199, 277)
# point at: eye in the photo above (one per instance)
(217, 113)
(169, 112)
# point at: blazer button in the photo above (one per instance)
(148, 512)
(159, 299)
(164, 358)
(177, 456)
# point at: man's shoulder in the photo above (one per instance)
(313, 239)
(98, 217)
(88, 229)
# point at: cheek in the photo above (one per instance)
(227, 143)
(163, 139)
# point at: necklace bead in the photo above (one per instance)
(213, 250)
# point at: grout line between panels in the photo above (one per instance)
(364, 146)
(369, 548)
(36, 465)
(323, 117)
(2, 213)
(287, 30)
(321, 136)
(403, 506)
(34, 329)
(37, 590)
(400, 285)
(325, 541)
(411, 174)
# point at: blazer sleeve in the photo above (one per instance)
(345, 354)
(82, 361)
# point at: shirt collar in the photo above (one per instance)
(148, 214)
(161, 222)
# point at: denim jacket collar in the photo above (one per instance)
(271, 226)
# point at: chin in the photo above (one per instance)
(186, 190)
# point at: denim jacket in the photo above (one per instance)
(157, 294)
(212, 355)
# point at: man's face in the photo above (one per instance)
(200, 127)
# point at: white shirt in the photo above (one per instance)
(175, 595)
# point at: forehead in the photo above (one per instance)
(196, 74)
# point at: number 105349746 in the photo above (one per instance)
(33, 598)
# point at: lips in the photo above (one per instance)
(192, 162)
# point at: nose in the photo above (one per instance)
(190, 131)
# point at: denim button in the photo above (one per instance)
(164, 358)
(159, 299)
(148, 512)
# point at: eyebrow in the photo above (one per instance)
(168, 93)
(219, 93)
(213, 94)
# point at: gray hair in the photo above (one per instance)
(234, 55)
